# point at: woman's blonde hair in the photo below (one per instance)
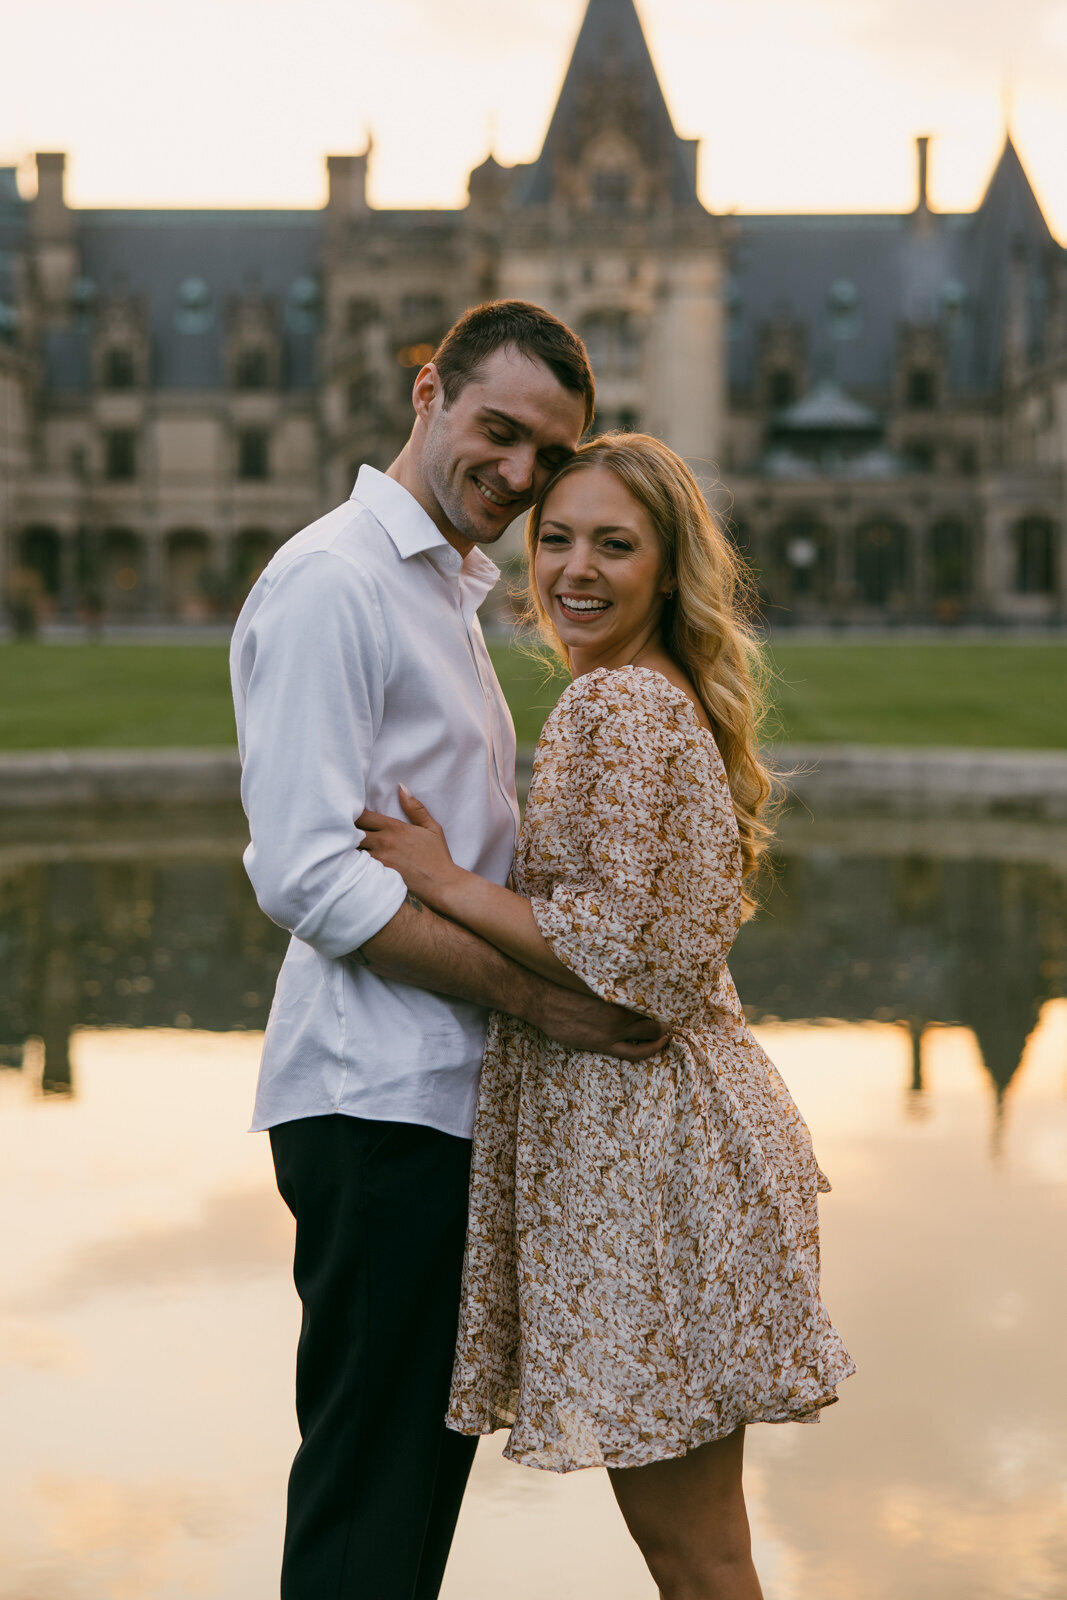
(704, 626)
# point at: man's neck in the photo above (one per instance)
(405, 471)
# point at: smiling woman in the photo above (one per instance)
(600, 571)
(630, 568)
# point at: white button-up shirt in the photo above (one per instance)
(358, 664)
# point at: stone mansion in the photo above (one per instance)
(877, 403)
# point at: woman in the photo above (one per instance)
(641, 1277)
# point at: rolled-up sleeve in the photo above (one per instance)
(309, 684)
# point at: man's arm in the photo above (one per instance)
(420, 948)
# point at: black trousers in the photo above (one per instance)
(376, 1485)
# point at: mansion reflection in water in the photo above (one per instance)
(144, 943)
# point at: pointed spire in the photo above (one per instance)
(611, 82)
(1010, 202)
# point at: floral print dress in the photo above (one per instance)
(642, 1267)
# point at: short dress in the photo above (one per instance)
(642, 1263)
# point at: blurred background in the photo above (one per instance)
(817, 249)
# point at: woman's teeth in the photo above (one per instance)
(583, 605)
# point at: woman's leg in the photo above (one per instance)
(689, 1520)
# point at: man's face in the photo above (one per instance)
(486, 457)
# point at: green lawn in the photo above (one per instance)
(951, 692)
(108, 696)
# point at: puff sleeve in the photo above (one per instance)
(636, 822)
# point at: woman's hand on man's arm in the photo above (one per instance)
(418, 850)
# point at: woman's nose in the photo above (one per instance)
(580, 562)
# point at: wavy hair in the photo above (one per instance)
(704, 626)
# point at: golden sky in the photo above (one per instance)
(802, 105)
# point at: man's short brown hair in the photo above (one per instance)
(531, 330)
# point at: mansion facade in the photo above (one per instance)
(877, 404)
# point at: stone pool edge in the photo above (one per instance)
(873, 779)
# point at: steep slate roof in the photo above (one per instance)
(948, 269)
(611, 36)
(14, 218)
(1008, 220)
(152, 253)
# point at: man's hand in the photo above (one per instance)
(583, 1022)
(420, 948)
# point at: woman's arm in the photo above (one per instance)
(418, 851)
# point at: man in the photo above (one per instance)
(358, 664)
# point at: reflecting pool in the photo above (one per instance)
(909, 982)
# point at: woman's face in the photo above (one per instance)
(599, 569)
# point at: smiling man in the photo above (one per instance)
(357, 665)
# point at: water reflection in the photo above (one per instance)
(93, 936)
(913, 940)
(147, 1319)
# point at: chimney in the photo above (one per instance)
(51, 219)
(54, 238)
(347, 176)
(921, 146)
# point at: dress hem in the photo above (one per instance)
(659, 1449)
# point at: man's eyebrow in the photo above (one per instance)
(524, 431)
(513, 422)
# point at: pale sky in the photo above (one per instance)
(802, 105)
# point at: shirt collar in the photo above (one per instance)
(399, 513)
(413, 531)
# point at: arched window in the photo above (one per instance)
(803, 549)
(613, 341)
(188, 569)
(610, 190)
(781, 387)
(120, 371)
(951, 559)
(252, 368)
(882, 563)
(1035, 556)
(253, 454)
(120, 570)
(921, 389)
(39, 551)
(363, 392)
(120, 455)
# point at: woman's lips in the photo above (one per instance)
(582, 607)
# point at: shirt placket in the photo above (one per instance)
(467, 596)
